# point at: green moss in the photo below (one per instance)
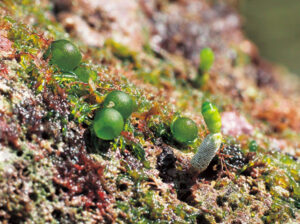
(207, 59)
(84, 73)
(122, 52)
(143, 202)
(145, 206)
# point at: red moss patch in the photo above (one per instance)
(80, 176)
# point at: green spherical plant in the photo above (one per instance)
(108, 124)
(253, 146)
(84, 73)
(64, 54)
(121, 102)
(184, 130)
(212, 117)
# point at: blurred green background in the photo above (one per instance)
(274, 25)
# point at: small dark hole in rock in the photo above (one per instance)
(236, 222)
(45, 135)
(202, 220)
(138, 204)
(20, 186)
(119, 199)
(233, 206)
(123, 187)
(28, 137)
(50, 198)
(65, 189)
(33, 196)
(218, 219)
(19, 153)
(220, 201)
(56, 214)
(182, 186)
(92, 25)
(26, 172)
(54, 146)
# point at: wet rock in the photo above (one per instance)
(95, 21)
(166, 163)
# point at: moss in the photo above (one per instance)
(122, 52)
(71, 176)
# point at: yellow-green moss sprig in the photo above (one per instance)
(207, 59)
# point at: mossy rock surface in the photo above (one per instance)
(53, 169)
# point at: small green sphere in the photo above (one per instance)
(184, 130)
(108, 124)
(120, 101)
(84, 73)
(253, 146)
(64, 54)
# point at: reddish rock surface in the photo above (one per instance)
(5, 44)
(235, 124)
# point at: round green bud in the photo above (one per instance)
(253, 146)
(64, 54)
(184, 130)
(120, 101)
(108, 124)
(212, 117)
(84, 73)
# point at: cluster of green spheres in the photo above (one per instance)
(65, 55)
(118, 106)
(184, 130)
(109, 121)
